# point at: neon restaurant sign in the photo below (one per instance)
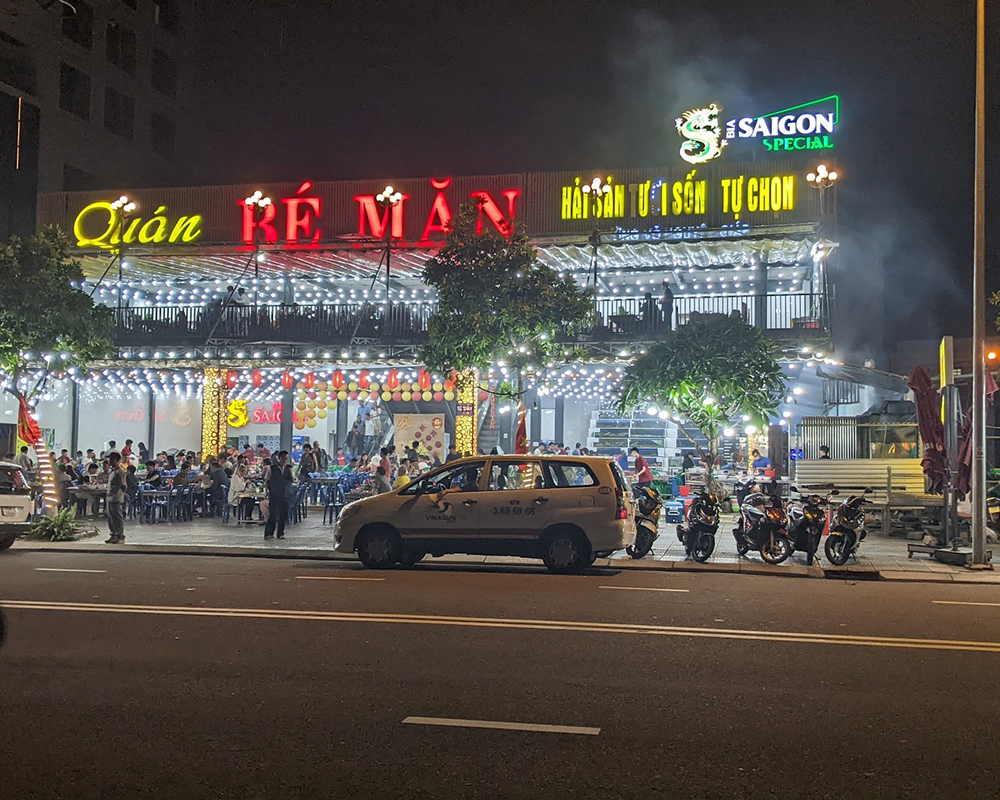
(101, 225)
(809, 126)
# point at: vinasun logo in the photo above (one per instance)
(808, 126)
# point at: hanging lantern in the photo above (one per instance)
(338, 379)
(256, 379)
(449, 384)
(231, 377)
(310, 380)
(287, 380)
(363, 381)
(393, 380)
(424, 380)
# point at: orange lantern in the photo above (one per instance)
(393, 381)
(231, 377)
(363, 381)
(287, 380)
(256, 379)
(310, 380)
(338, 379)
(424, 380)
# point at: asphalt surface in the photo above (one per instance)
(163, 677)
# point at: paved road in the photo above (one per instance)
(162, 677)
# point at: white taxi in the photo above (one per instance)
(566, 510)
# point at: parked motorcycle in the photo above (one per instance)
(762, 525)
(648, 504)
(849, 529)
(698, 535)
(806, 520)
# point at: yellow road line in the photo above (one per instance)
(963, 603)
(517, 624)
(332, 578)
(643, 589)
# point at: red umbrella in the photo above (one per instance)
(931, 429)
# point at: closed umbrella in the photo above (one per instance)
(928, 404)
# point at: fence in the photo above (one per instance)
(849, 439)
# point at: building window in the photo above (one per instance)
(165, 15)
(16, 66)
(121, 47)
(78, 180)
(74, 91)
(78, 23)
(161, 135)
(163, 73)
(119, 113)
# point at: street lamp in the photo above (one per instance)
(596, 190)
(822, 179)
(388, 198)
(122, 207)
(257, 203)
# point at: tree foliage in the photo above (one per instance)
(710, 372)
(41, 312)
(497, 304)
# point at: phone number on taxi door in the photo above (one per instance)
(515, 510)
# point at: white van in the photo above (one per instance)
(16, 503)
(566, 510)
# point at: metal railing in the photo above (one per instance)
(336, 323)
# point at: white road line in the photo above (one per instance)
(963, 603)
(58, 569)
(503, 726)
(332, 578)
(643, 589)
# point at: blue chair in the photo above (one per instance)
(334, 502)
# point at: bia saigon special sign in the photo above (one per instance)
(808, 126)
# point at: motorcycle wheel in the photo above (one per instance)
(813, 547)
(741, 544)
(704, 547)
(837, 549)
(643, 543)
(775, 548)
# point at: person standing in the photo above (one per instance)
(308, 465)
(279, 484)
(115, 497)
(643, 474)
(667, 305)
(24, 461)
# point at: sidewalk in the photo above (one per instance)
(882, 558)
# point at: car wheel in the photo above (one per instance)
(378, 548)
(565, 552)
(5, 543)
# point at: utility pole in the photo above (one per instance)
(979, 306)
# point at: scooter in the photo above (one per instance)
(806, 520)
(762, 526)
(648, 504)
(849, 529)
(698, 535)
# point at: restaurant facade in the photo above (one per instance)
(262, 312)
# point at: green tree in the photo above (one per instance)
(46, 323)
(708, 373)
(497, 304)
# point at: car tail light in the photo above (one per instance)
(621, 510)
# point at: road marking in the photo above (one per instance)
(332, 578)
(643, 589)
(963, 603)
(503, 726)
(58, 569)
(515, 624)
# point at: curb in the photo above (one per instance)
(863, 571)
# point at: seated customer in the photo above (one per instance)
(153, 477)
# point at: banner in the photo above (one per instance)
(426, 429)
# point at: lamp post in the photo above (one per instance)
(596, 190)
(122, 207)
(388, 198)
(257, 203)
(823, 179)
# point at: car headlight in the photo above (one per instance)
(348, 511)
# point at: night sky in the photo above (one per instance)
(328, 90)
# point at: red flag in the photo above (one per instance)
(27, 428)
(521, 437)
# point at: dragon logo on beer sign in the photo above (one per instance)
(702, 134)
